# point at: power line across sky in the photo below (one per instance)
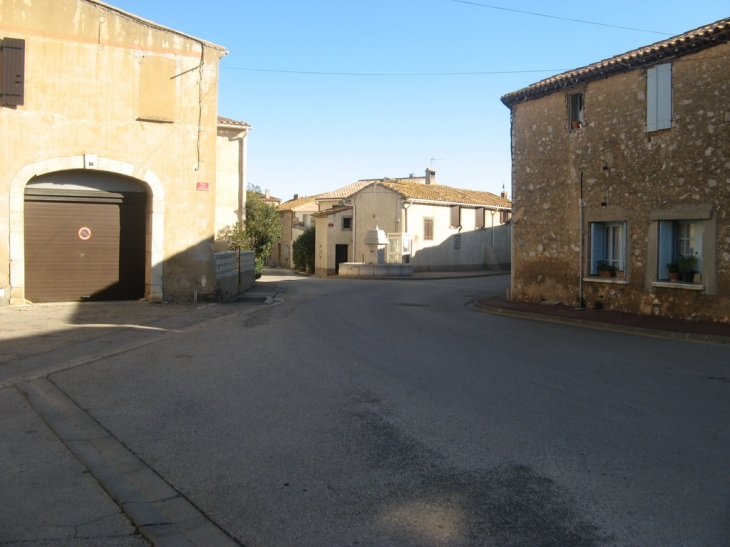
(339, 91)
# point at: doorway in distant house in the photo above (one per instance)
(340, 256)
(278, 255)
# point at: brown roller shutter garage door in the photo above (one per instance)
(84, 245)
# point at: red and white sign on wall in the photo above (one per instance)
(202, 186)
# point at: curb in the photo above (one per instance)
(161, 514)
(416, 278)
(671, 335)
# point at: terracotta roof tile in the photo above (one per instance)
(345, 191)
(294, 204)
(416, 188)
(695, 40)
(333, 211)
(234, 123)
(447, 194)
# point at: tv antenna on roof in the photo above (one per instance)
(436, 159)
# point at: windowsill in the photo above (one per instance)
(611, 280)
(679, 285)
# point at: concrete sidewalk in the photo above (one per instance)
(66, 482)
(663, 327)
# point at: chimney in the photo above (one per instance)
(267, 194)
(296, 196)
(430, 176)
(503, 194)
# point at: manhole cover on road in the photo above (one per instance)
(409, 305)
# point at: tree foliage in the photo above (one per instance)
(262, 228)
(303, 251)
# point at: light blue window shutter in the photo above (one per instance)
(651, 99)
(659, 97)
(598, 248)
(666, 247)
(664, 96)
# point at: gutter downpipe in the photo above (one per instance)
(581, 204)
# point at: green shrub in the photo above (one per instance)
(303, 251)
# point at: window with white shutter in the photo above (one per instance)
(659, 97)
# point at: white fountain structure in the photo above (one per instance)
(376, 241)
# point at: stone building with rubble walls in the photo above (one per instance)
(642, 140)
(108, 184)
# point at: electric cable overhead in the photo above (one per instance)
(322, 73)
(561, 18)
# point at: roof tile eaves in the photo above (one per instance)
(694, 40)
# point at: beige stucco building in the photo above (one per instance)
(448, 228)
(642, 142)
(231, 171)
(110, 185)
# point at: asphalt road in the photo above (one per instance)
(377, 413)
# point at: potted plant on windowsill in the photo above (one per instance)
(673, 269)
(686, 264)
(605, 269)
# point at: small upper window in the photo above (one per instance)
(575, 107)
(12, 77)
(347, 223)
(428, 228)
(659, 97)
(455, 216)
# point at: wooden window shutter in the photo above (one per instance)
(427, 228)
(659, 97)
(455, 216)
(13, 76)
(479, 219)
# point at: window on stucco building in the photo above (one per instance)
(428, 229)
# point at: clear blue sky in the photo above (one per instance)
(314, 133)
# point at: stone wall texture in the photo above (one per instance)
(624, 174)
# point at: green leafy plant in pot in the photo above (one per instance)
(605, 269)
(686, 264)
(673, 269)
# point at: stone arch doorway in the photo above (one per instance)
(85, 237)
(139, 188)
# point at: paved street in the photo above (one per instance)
(354, 412)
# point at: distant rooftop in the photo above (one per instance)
(415, 188)
(232, 123)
